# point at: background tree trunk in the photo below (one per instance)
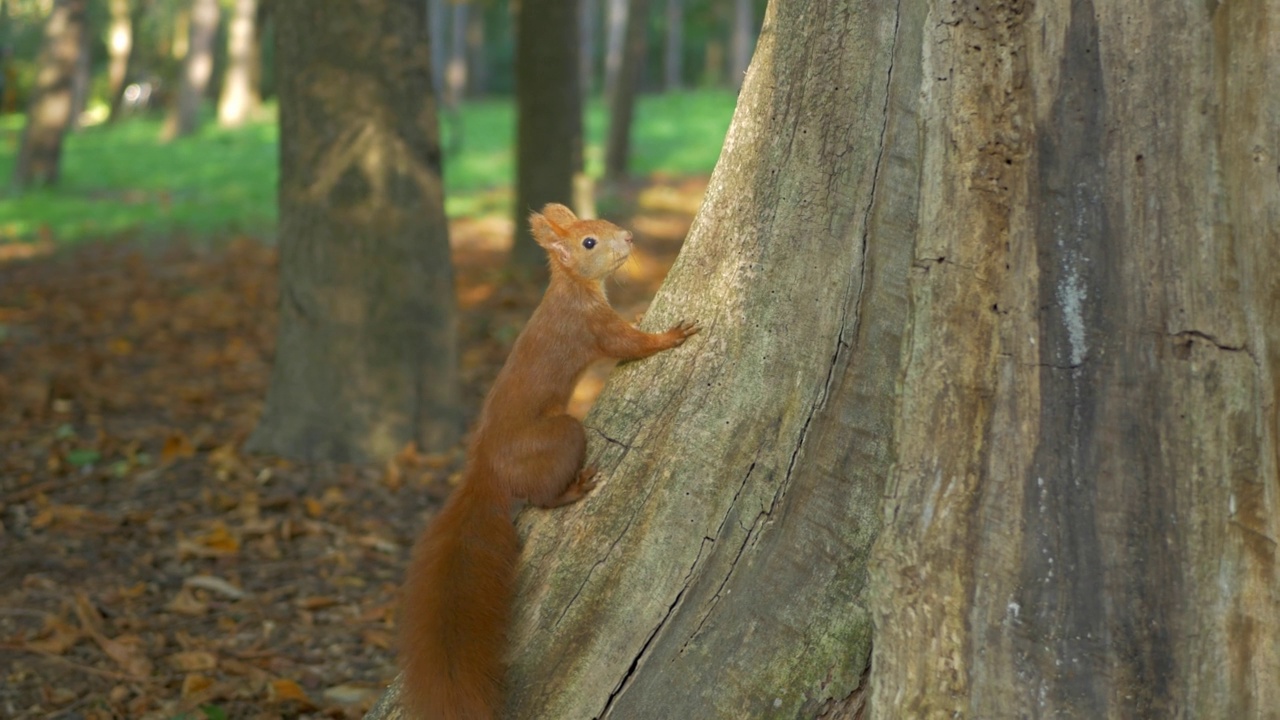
(741, 40)
(437, 25)
(588, 40)
(366, 359)
(477, 60)
(240, 94)
(991, 297)
(622, 102)
(120, 47)
(673, 52)
(197, 68)
(83, 75)
(455, 76)
(615, 41)
(49, 109)
(548, 116)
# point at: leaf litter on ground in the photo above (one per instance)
(150, 569)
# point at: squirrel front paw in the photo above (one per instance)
(682, 331)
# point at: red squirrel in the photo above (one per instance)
(461, 579)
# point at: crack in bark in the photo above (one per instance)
(635, 661)
(1186, 337)
(1209, 338)
(586, 578)
(715, 597)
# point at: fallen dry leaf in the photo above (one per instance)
(281, 689)
(176, 446)
(193, 683)
(57, 637)
(192, 660)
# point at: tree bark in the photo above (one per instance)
(548, 116)
(50, 106)
(240, 95)
(197, 68)
(622, 102)
(366, 358)
(991, 310)
(1084, 517)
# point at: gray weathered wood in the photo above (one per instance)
(1083, 517)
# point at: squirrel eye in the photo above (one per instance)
(588, 243)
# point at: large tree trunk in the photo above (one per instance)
(622, 102)
(991, 302)
(197, 68)
(366, 359)
(548, 116)
(240, 94)
(1084, 518)
(49, 109)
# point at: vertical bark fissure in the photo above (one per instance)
(604, 557)
(746, 540)
(657, 628)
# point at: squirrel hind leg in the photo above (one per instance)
(553, 475)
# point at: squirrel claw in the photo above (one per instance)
(585, 481)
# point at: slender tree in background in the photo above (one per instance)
(119, 52)
(477, 57)
(623, 100)
(741, 40)
(240, 94)
(197, 68)
(673, 52)
(367, 353)
(615, 41)
(548, 116)
(455, 74)
(588, 41)
(83, 74)
(50, 105)
(437, 34)
(1026, 300)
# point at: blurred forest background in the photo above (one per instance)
(153, 567)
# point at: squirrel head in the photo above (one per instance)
(589, 249)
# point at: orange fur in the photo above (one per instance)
(461, 578)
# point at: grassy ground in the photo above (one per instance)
(120, 180)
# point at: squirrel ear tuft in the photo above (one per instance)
(550, 236)
(544, 230)
(559, 214)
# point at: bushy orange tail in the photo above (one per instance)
(457, 604)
